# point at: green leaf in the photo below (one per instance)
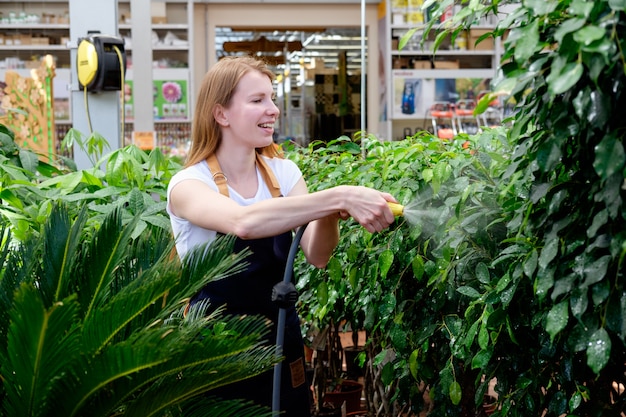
(413, 364)
(610, 156)
(418, 267)
(482, 273)
(322, 293)
(406, 38)
(530, 264)
(468, 291)
(589, 34)
(596, 270)
(427, 174)
(575, 401)
(568, 26)
(384, 262)
(529, 40)
(481, 359)
(455, 392)
(541, 7)
(579, 302)
(483, 337)
(561, 81)
(617, 5)
(598, 350)
(557, 319)
(387, 374)
(548, 253)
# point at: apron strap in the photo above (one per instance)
(218, 176)
(266, 173)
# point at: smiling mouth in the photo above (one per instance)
(267, 125)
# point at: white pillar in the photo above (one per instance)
(140, 11)
(104, 108)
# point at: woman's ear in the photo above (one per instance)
(219, 114)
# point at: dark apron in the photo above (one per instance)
(249, 292)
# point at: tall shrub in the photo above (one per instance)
(520, 280)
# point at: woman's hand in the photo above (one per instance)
(368, 207)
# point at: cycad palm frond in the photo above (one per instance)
(103, 254)
(228, 350)
(61, 243)
(216, 407)
(134, 351)
(42, 343)
(200, 261)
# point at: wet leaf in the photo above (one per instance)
(557, 319)
(468, 291)
(418, 267)
(575, 401)
(548, 253)
(598, 350)
(610, 157)
(322, 293)
(482, 273)
(384, 262)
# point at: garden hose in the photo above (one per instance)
(285, 295)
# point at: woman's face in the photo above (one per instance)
(252, 112)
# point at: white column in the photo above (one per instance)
(142, 65)
(104, 108)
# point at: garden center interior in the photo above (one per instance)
(338, 64)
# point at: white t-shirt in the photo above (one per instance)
(188, 234)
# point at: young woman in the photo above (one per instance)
(235, 183)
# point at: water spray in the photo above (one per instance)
(414, 212)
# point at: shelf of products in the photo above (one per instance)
(31, 29)
(435, 90)
(171, 31)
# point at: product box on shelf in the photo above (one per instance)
(486, 44)
(446, 64)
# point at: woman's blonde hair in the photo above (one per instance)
(217, 88)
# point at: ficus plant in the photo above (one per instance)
(519, 279)
(400, 285)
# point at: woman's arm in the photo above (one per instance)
(321, 236)
(200, 204)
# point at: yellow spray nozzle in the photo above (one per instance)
(396, 209)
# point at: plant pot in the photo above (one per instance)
(351, 354)
(348, 391)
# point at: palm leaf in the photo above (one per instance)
(41, 344)
(103, 254)
(218, 358)
(18, 268)
(61, 244)
(216, 407)
(206, 263)
(126, 305)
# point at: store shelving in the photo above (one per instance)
(419, 78)
(30, 29)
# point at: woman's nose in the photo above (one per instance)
(273, 109)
